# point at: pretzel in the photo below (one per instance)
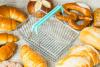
(81, 12)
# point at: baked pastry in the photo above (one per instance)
(7, 51)
(73, 61)
(10, 64)
(31, 58)
(38, 8)
(80, 56)
(7, 24)
(12, 13)
(5, 37)
(97, 17)
(9, 18)
(91, 36)
(75, 12)
(88, 51)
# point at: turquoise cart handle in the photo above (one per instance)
(46, 17)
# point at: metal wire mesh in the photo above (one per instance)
(53, 38)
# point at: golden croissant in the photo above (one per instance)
(7, 51)
(9, 18)
(5, 37)
(80, 56)
(31, 58)
(91, 36)
(7, 24)
(88, 51)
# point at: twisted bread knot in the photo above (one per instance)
(75, 12)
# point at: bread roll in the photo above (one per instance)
(10, 64)
(5, 37)
(7, 51)
(31, 58)
(91, 36)
(38, 8)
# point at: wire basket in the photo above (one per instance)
(53, 39)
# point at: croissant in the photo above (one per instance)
(7, 51)
(88, 51)
(9, 17)
(31, 58)
(80, 56)
(12, 13)
(73, 61)
(91, 36)
(5, 37)
(7, 24)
